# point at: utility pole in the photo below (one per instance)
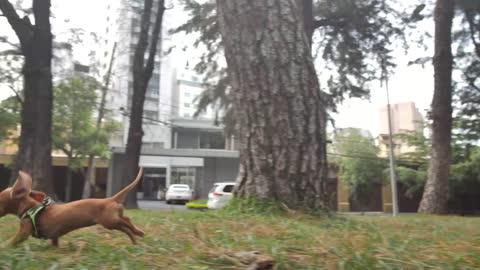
(393, 180)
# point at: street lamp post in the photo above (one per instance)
(393, 180)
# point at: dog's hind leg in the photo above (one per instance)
(127, 222)
(128, 232)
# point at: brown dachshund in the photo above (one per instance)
(50, 221)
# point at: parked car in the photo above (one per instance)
(220, 194)
(178, 193)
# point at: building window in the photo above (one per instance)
(212, 140)
(150, 115)
(153, 183)
(156, 145)
(186, 105)
(187, 94)
(183, 175)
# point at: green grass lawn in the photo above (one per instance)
(202, 240)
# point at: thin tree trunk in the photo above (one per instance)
(34, 154)
(68, 184)
(90, 177)
(280, 114)
(435, 195)
(142, 72)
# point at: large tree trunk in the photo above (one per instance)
(435, 195)
(34, 155)
(280, 114)
(141, 75)
(306, 7)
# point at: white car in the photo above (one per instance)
(220, 194)
(178, 192)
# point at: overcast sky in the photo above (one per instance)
(409, 83)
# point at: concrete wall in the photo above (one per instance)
(114, 173)
(216, 170)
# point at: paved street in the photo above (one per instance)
(160, 205)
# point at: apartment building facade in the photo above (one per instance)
(405, 117)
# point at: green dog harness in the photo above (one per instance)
(33, 214)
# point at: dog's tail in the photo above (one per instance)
(120, 196)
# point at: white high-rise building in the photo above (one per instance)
(122, 27)
(187, 87)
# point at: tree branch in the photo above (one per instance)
(10, 52)
(327, 22)
(17, 95)
(66, 151)
(22, 26)
(5, 40)
(472, 31)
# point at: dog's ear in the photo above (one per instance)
(22, 186)
(37, 195)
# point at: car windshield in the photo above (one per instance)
(182, 187)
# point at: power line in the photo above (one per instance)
(404, 161)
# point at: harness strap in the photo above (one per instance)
(33, 214)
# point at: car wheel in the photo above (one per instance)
(168, 202)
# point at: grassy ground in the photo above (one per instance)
(200, 240)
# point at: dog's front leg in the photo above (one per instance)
(22, 234)
(55, 242)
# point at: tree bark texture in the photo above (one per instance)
(306, 7)
(34, 154)
(142, 72)
(280, 113)
(435, 194)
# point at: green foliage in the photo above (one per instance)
(10, 68)
(464, 169)
(421, 145)
(411, 169)
(10, 109)
(359, 166)
(466, 39)
(354, 40)
(74, 133)
(412, 179)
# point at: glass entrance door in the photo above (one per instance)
(154, 183)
